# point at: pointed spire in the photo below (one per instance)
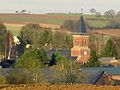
(81, 28)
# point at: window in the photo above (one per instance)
(83, 42)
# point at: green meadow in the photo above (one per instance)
(14, 29)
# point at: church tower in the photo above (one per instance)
(80, 47)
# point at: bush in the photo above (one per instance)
(32, 59)
(2, 29)
(2, 79)
(69, 25)
(93, 60)
(16, 77)
(22, 76)
(39, 37)
(68, 73)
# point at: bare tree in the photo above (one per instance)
(69, 25)
(109, 14)
(118, 13)
(92, 10)
(17, 11)
(23, 11)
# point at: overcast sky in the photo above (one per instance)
(45, 6)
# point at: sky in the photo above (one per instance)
(58, 6)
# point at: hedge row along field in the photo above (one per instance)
(58, 87)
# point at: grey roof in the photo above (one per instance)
(106, 59)
(95, 73)
(81, 27)
(65, 53)
(108, 70)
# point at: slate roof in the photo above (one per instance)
(65, 53)
(108, 70)
(94, 73)
(106, 59)
(81, 27)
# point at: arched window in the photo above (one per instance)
(83, 42)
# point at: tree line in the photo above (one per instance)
(111, 17)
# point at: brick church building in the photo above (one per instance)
(80, 50)
(80, 47)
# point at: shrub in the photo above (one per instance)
(69, 73)
(22, 76)
(16, 77)
(2, 79)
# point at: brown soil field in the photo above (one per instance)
(49, 25)
(57, 87)
(41, 24)
(39, 16)
(35, 15)
(109, 32)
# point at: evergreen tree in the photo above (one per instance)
(57, 58)
(45, 38)
(3, 34)
(93, 61)
(32, 59)
(110, 49)
(53, 60)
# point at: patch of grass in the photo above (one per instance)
(50, 21)
(97, 23)
(33, 20)
(14, 29)
(105, 38)
(65, 14)
(87, 16)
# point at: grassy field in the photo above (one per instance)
(74, 15)
(14, 28)
(97, 23)
(32, 20)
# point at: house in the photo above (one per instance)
(109, 61)
(103, 75)
(80, 50)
